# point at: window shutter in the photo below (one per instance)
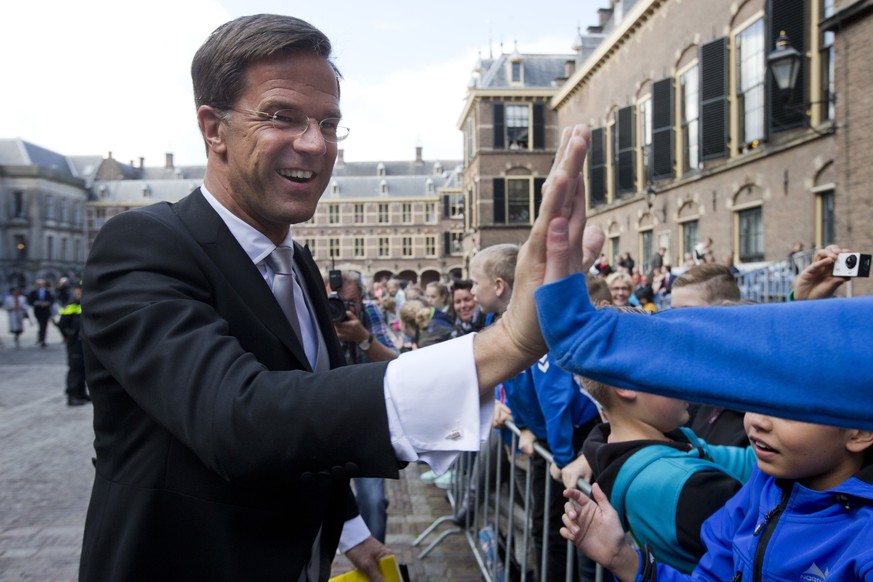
(662, 128)
(713, 99)
(447, 212)
(624, 176)
(790, 16)
(538, 195)
(499, 201)
(447, 243)
(539, 126)
(498, 126)
(596, 169)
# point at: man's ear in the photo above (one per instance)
(859, 441)
(211, 128)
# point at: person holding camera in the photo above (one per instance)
(365, 337)
(359, 324)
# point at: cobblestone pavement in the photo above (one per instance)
(46, 475)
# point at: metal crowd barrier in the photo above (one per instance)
(771, 283)
(491, 510)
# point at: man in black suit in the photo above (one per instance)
(41, 299)
(226, 428)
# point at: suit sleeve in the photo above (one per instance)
(171, 340)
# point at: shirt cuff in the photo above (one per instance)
(433, 404)
(354, 532)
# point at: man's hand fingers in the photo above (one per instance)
(593, 238)
(558, 250)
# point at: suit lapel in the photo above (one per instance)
(209, 230)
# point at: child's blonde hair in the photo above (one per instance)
(497, 261)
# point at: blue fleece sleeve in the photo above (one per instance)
(555, 390)
(806, 360)
(739, 461)
(519, 390)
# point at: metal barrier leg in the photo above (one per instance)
(480, 500)
(458, 495)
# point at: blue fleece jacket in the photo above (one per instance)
(779, 530)
(805, 360)
(546, 400)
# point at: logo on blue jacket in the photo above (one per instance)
(814, 574)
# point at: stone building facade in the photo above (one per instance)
(42, 209)
(382, 219)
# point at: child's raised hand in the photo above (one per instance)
(593, 526)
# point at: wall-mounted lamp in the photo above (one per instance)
(785, 63)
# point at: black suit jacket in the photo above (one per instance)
(219, 453)
(40, 311)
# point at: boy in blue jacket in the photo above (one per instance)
(806, 513)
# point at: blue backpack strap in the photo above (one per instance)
(632, 467)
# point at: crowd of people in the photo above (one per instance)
(417, 317)
(651, 288)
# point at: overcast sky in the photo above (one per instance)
(94, 76)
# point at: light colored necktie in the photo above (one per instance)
(281, 261)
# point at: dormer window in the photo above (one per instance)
(429, 186)
(335, 188)
(383, 187)
(517, 67)
(380, 169)
(437, 169)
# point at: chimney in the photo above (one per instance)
(339, 157)
(141, 162)
(569, 68)
(418, 154)
(605, 14)
(168, 164)
(109, 156)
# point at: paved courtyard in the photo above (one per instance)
(46, 475)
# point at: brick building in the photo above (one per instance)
(692, 139)
(510, 135)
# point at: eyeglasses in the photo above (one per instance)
(297, 123)
(620, 289)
